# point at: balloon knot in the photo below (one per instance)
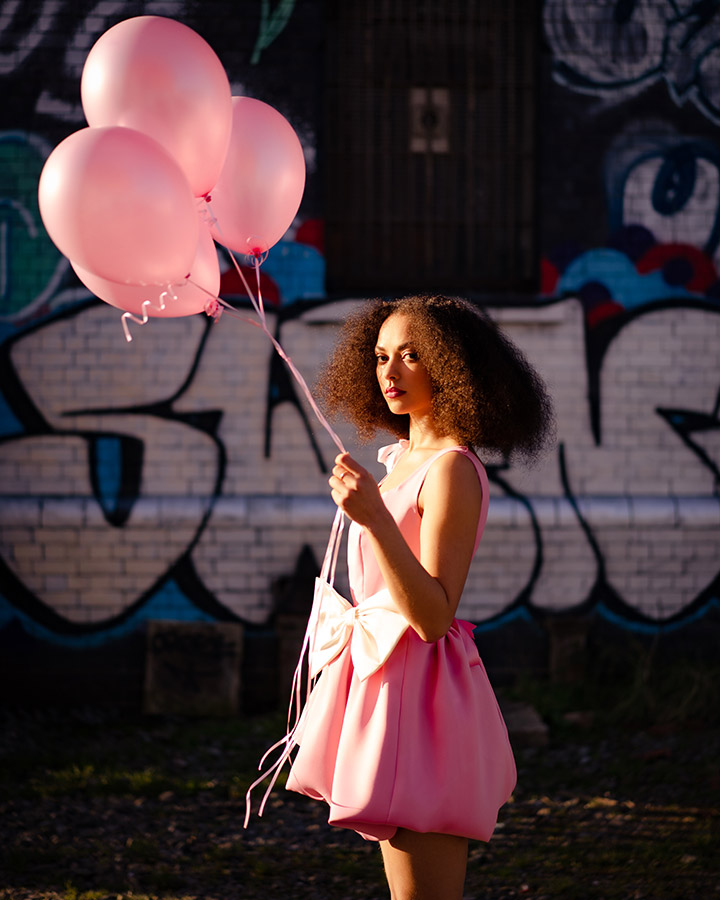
(257, 256)
(257, 250)
(213, 309)
(207, 197)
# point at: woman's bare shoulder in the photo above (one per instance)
(454, 476)
(455, 464)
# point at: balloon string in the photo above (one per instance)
(259, 308)
(256, 266)
(296, 707)
(293, 368)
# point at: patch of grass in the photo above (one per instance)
(73, 893)
(675, 694)
(94, 780)
(632, 686)
(132, 756)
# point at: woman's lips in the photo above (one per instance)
(393, 392)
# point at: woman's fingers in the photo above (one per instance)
(348, 464)
(341, 475)
(354, 489)
(344, 473)
(341, 483)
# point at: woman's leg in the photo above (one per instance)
(425, 866)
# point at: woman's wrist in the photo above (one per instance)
(378, 524)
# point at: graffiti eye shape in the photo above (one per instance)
(675, 194)
(675, 182)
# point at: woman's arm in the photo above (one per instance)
(427, 591)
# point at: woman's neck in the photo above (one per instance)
(424, 435)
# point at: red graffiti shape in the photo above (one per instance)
(703, 275)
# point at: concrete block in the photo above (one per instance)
(524, 725)
(193, 668)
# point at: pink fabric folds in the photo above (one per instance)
(418, 744)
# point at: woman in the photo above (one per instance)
(402, 736)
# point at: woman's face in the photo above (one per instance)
(402, 377)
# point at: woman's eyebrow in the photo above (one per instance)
(404, 346)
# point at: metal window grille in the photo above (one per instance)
(430, 146)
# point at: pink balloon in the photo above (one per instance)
(261, 185)
(116, 203)
(190, 297)
(160, 77)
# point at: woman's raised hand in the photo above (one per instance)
(355, 491)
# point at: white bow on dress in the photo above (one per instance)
(374, 628)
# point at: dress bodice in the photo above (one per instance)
(402, 502)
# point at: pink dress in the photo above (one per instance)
(416, 741)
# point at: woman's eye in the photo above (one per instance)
(381, 359)
(412, 356)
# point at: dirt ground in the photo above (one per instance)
(94, 805)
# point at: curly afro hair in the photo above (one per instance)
(486, 395)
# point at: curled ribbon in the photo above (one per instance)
(146, 305)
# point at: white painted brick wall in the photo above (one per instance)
(646, 496)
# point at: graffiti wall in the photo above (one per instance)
(182, 476)
(629, 217)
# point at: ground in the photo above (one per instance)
(97, 804)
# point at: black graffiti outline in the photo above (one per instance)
(599, 337)
(686, 422)
(182, 571)
(523, 599)
(602, 593)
